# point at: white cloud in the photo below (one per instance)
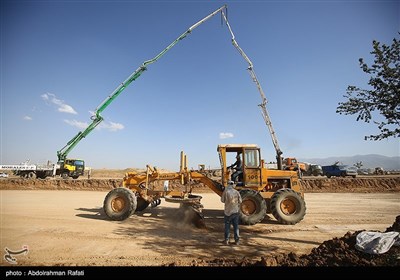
(110, 126)
(64, 108)
(224, 135)
(60, 104)
(27, 118)
(75, 123)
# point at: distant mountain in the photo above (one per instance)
(368, 161)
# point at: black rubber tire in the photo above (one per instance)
(287, 199)
(41, 175)
(122, 198)
(31, 175)
(65, 176)
(253, 208)
(141, 204)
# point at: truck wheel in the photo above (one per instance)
(287, 206)
(119, 204)
(64, 176)
(141, 204)
(253, 208)
(31, 175)
(41, 175)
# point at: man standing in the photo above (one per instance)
(232, 200)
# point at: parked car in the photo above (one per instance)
(339, 170)
(3, 175)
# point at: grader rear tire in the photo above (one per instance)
(287, 206)
(119, 204)
(253, 208)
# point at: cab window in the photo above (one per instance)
(251, 158)
(79, 162)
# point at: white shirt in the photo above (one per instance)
(166, 184)
(232, 200)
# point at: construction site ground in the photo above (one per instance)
(63, 224)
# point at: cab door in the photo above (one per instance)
(252, 168)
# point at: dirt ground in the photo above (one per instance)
(69, 228)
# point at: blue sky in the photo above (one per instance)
(61, 59)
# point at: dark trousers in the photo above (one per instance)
(232, 220)
(235, 176)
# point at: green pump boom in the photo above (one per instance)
(264, 101)
(97, 118)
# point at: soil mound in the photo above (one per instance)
(332, 253)
(364, 185)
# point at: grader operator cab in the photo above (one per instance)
(263, 191)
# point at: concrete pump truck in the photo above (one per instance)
(263, 190)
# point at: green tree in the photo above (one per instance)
(384, 97)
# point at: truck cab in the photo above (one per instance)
(293, 164)
(71, 168)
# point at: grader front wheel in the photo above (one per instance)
(119, 204)
(287, 206)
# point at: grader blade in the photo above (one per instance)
(190, 209)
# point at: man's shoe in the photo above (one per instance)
(226, 242)
(237, 242)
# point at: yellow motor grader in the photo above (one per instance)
(263, 190)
